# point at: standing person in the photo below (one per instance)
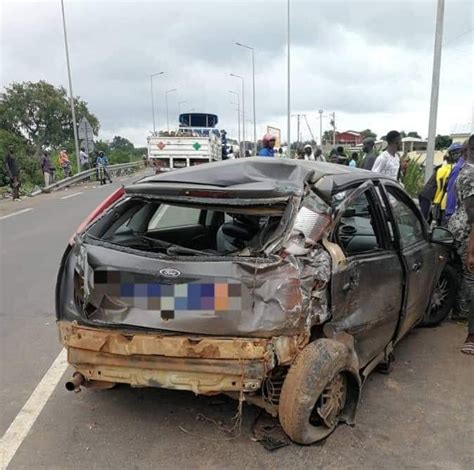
(388, 162)
(318, 156)
(427, 194)
(333, 158)
(268, 149)
(46, 168)
(458, 153)
(341, 156)
(84, 159)
(308, 152)
(461, 225)
(369, 157)
(13, 172)
(439, 200)
(64, 163)
(353, 160)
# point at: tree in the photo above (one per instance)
(442, 142)
(121, 143)
(367, 133)
(327, 137)
(40, 113)
(414, 134)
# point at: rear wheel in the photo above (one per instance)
(314, 393)
(443, 298)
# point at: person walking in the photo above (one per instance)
(46, 168)
(268, 149)
(84, 159)
(13, 172)
(368, 147)
(461, 225)
(388, 162)
(65, 163)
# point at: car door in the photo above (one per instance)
(366, 294)
(419, 256)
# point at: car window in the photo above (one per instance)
(408, 223)
(357, 231)
(167, 217)
(386, 214)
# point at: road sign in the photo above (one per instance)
(85, 129)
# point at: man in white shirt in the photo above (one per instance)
(388, 162)
(308, 152)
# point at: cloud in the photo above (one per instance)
(369, 61)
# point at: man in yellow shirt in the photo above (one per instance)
(440, 198)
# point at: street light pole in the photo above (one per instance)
(153, 98)
(253, 95)
(238, 117)
(434, 90)
(167, 111)
(71, 95)
(243, 110)
(288, 111)
(321, 128)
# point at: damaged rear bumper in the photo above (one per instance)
(203, 365)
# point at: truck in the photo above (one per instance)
(196, 141)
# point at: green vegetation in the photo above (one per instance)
(414, 178)
(37, 116)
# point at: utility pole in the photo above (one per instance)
(333, 123)
(71, 95)
(321, 128)
(288, 111)
(434, 90)
(298, 129)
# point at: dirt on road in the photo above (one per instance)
(420, 416)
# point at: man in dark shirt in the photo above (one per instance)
(369, 154)
(13, 172)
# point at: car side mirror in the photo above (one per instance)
(442, 236)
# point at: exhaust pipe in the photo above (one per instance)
(74, 385)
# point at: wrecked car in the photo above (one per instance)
(280, 283)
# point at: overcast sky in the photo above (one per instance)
(369, 61)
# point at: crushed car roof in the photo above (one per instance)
(265, 177)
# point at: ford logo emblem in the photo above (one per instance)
(169, 272)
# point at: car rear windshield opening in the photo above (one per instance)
(175, 229)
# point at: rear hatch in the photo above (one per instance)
(202, 264)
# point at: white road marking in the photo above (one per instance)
(21, 425)
(16, 213)
(72, 195)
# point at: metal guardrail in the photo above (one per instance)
(83, 175)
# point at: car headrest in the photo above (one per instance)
(239, 231)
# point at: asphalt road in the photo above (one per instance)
(420, 416)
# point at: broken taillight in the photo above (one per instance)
(104, 205)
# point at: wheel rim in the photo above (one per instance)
(440, 295)
(330, 403)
